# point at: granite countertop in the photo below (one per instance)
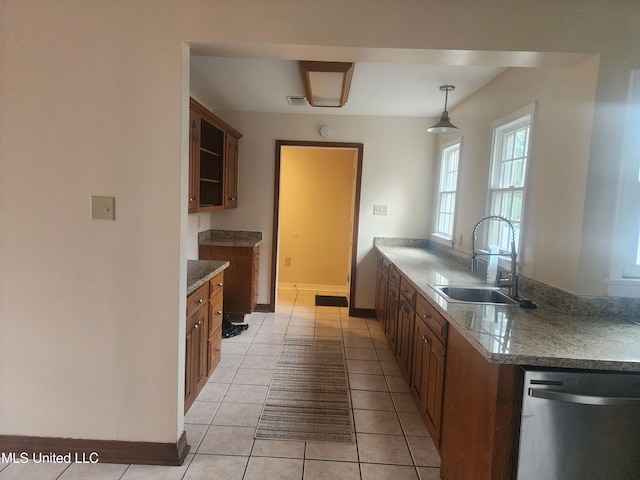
(230, 238)
(201, 271)
(543, 337)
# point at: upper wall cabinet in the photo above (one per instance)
(213, 161)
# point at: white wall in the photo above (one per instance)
(93, 102)
(558, 167)
(397, 165)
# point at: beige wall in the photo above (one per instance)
(557, 171)
(94, 101)
(396, 172)
(316, 206)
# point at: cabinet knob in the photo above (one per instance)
(220, 284)
(427, 315)
(425, 339)
(219, 312)
(232, 198)
(200, 301)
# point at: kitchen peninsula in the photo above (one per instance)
(465, 362)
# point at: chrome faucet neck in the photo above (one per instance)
(512, 281)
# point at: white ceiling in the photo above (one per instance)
(385, 89)
(386, 82)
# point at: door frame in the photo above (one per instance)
(359, 147)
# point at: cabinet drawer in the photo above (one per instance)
(216, 285)
(197, 299)
(432, 318)
(394, 276)
(383, 266)
(215, 313)
(408, 291)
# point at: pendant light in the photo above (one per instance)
(444, 125)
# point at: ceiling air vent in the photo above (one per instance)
(297, 100)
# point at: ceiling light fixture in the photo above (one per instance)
(444, 125)
(326, 84)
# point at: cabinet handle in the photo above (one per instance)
(232, 198)
(425, 339)
(427, 315)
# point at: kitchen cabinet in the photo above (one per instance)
(241, 277)
(429, 352)
(382, 290)
(196, 346)
(480, 414)
(230, 187)
(203, 336)
(406, 322)
(214, 338)
(213, 161)
(392, 307)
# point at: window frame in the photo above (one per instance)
(502, 127)
(444, 147)
(624, 277)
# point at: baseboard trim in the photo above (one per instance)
(97, 451)
(362, 312)
(262, 307)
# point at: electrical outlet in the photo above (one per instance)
(379, 209)
(103, 208)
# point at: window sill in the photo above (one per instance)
(448, 241)
(624, 287)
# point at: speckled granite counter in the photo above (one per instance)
(230, 238)
(201, 271)
(545, 337)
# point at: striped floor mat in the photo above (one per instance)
(309, 395)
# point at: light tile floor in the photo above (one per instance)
(391, 439)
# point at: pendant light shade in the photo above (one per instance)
(444, 125)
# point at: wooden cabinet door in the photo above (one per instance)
(214, 329)
(392, 316)
(382, 287)
(231, 172)
(195, 355)
(404, 345)
(428, 377)
(194, 159)
(200, 354)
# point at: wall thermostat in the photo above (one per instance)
(325, 131)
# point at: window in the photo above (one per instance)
(447, 190)
(627, 247)
(509, 159)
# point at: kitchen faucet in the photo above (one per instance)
(511, 281)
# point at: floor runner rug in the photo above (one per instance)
(308, 398)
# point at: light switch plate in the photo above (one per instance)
(379, 209)
(103, 208)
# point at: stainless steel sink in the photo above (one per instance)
(482, 295)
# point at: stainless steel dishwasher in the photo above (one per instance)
(579, 425)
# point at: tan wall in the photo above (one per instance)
(316, 206)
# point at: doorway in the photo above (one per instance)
(317, 232)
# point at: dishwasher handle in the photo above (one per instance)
(583, 399)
